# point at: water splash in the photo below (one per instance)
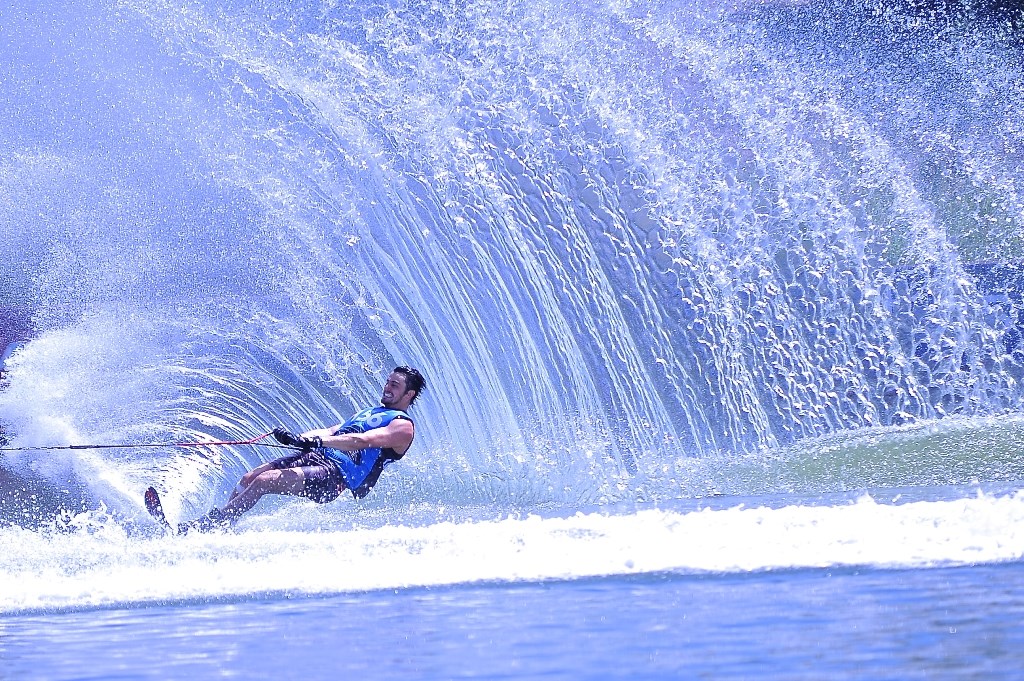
(649, 229)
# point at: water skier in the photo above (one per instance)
(347, 456)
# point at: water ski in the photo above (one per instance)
(155, 508)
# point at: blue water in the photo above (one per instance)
(926, 584)
(719, 304)
(838, 624)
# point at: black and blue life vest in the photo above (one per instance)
(363, 467)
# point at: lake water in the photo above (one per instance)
(926, 586)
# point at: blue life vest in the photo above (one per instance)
(361, 468)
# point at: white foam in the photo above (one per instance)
(100, 565)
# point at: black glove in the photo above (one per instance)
(306, 444)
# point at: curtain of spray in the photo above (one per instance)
(646, 227)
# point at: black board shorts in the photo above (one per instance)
(323, 481)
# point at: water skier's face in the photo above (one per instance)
(394, 390)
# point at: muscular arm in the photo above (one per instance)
(397, 435)
(321, 432)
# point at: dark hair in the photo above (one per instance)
(413, 380)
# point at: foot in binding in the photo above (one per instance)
(216, 519)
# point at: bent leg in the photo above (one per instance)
(287, 475)
(260, 482)
(247, 479)
(270, 481)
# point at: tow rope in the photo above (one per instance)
(222, 443)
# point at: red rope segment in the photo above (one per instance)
(226, 442)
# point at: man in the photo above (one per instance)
(349, 455)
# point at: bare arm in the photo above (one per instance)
(321, 432)
(397, 435)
